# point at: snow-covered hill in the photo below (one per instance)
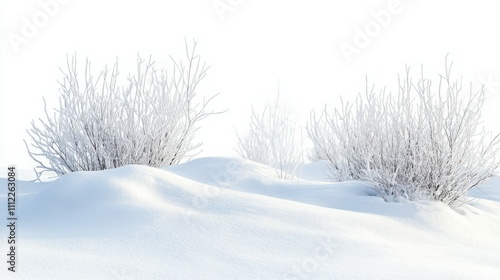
(224, 218)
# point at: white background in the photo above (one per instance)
(250, 44)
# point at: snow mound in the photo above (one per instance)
(225, 218)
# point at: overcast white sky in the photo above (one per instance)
(250, 44)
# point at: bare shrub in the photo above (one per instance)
(426, 141)
(100, 125)
(273, 140)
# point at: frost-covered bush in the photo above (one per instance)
(273, 140)
(101, 125)
(425, 141)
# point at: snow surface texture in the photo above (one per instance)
(224, 218)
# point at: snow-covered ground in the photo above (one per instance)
(224, 218)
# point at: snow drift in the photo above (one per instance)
(224, 218)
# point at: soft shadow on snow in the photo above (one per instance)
(228, 218)
(250, 177)
(488, 190)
